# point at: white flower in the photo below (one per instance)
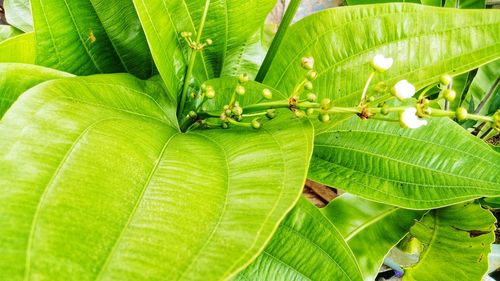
(409, 119)
(403, 90)
(381, 63)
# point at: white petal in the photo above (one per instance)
(381, 63)
(409, 119)
(403, 90)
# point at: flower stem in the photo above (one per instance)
(192, 60)
(363, 95)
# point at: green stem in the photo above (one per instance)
(285, 23)
(267, 105)
(363, 95)
(344, 110)
(422, 94)
(241, 124)
(383, 98)
(480, 117)
(192, 60)
(254, 114)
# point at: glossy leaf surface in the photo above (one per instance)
(111, 190)
(305, 247)
(370, 229)
(436, 165)
(456, 237)
(15, 79)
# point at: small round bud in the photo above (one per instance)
(307, 63)
(325, 118)
(496, 120)
(312, 75)
(385, 109)
(325, 103)
(224, 125)
(371, 99)
(271, 113)
(256, 123)
(267, 94)
(185, 34)
(445, 79)
(243, 78)
(311, 97)
(226, 107)
(240, 90)
(223, 116)
(310, 111)
(192, 114)
(203, 87)
(228, 112)
(381, 63)
(381, 87)
(308, 86)
(210, 92)
(299, 113)
(449, 95)
(189, 34)
(192, 95)
(209, 41)
(237, 110)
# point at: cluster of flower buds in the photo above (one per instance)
(197, 46)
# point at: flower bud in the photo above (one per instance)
(307, 63)
(461, 113)
(271, 113)
(243, 78)
(371, 99)
(381, 87)
(267, 94)
(445, 79)
(496, 120)
(308, 86)
(385, 109)
(240, 90)
(312, 75)
(223, 116)
(381, 63)
(449, 95)
(299, 113)
(409, 119)
(311, 97)
(203, 87)
(310, 111)
(256, 123)
(228, 112)
(209, 92)
(192, 114)
(403, 90)
(325, 103)
(225, 125)
(324, 117)
(209, 41)
(185, 34)
(237, 110)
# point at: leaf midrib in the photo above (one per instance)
(370, 222)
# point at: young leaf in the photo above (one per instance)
(438, 165)
(370, 229)
(18, 14)
(7, 31)
(229, 24)
(456, 238)
(20, 49)
(15, 79)
(91, 36)
(305, 247)
(103, 185)
(349, 37)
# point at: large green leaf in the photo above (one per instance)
(457, 238)
(91, 36)
(466, 4)
(99, 183)
(483, 90)
(7, 31)
(348, 38)
(305, 247)
(15, 79)
(370, 229)
(437, 165)
(18, 14)
(20, 49)
(229, 24)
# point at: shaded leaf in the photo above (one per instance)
(18, 14)
(370, 229)
(7, 31)
(456, 237)
(305, 247)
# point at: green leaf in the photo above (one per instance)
(370, 229)
(437, 165)
(305, 247)
(364, 2)
(229, 24)
(466, 4)
(20, 49)
(112, 190)
(91, 36)
(7, 31)
(484, 89)
(349, 37)
(18, 14)
(437, 3)
(245, 59)
(15, 79)
(456, 238)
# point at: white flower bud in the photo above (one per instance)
(403, 90)
(409, 119)
(381, 63)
